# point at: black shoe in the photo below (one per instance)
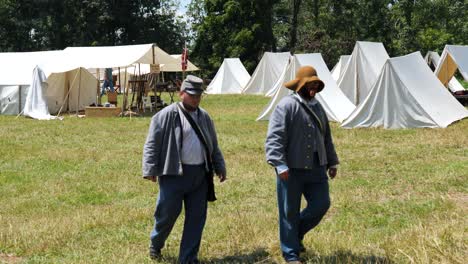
(155, 254)
(301, 247)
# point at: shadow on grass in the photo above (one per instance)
(261, 256)
(347, 256)
(258, 256)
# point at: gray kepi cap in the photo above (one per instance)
(192, 85)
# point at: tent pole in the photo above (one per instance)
(79, 92)
(98, 96)
(19, 97)
(125, 96)
(357, 83)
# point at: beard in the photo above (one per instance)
(189, 107)
(304, 93)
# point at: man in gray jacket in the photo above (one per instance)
(176, 157)
(300, 148)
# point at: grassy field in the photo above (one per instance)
(71, 192)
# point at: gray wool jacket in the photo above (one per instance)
(161, 152)
(288, 142)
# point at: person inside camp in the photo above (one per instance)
(181, 153)
(300, 148)
(108, 83)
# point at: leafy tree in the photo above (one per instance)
(234, 29)
(52, 24)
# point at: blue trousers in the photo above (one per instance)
(293, 223)
(105, 84)
(189, 189)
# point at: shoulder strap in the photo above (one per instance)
(311, 114)
(211, 196)
(198, 131)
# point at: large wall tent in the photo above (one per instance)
(407, 94)
(432, 59)
(117, 56)
(339, 67)
(17, 75)
(268, 71)
(336, 104)
(362, 70)
(70, 86)
(231, 78)
(94, 58)
(453, 57)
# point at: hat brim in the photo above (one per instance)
(297, 84)
(193, 91)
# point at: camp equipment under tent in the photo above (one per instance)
(231, 78)
(121, 57)
(432, 59)
(337, 106)
(268, 71)
(362, 70)
(407, 94)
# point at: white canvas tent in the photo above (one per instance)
(362, 70)
(178, 67)
(336, 104)
(407, 95)
(17, 75)
(231, 78)
(432, 59)
(268, 71)
(339, 67)
(117, 56)
(138, 69)
(453, 57)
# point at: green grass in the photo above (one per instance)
(71, 192)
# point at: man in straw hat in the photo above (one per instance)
(299, 146)
(181, 152)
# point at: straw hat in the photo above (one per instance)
(305, 74)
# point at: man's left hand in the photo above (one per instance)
(332, 172)
(222, 177)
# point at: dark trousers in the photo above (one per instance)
(293, 223)
(189, 189)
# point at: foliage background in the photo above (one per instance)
(217, 29)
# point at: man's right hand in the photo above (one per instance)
(284, 175)
(152, 178)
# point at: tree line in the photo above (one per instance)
(217, 29)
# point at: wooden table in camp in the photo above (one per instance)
(166, 87)
(100, 111)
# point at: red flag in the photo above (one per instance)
(184, 59)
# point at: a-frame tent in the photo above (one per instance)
(407, 94)
(337, 106)
(453, 57)
(268, 71)
(362, 70)
(432, 59)
(339, 67)
(231, 78)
